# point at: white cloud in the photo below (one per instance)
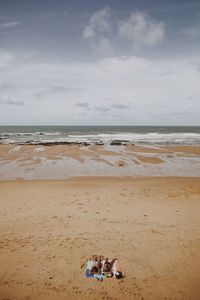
(96, 32)
(9, 24)
(6, 58)
(193, 31)
(29, 54)
(99, 23)
(66, 12)
(103, 46)
(141, 30)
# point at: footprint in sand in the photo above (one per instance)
(122, 194)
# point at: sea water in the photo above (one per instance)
(139, 135)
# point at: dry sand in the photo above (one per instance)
(49, 228)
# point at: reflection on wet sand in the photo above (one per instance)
(64, 161)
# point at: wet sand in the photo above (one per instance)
(65, 161)
(49, 229)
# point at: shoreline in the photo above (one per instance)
(101, 179)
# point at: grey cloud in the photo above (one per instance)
(82, 105)
(103, 46)
(119, 106)
(61, 89)
(102, 108)
(6, 58)
(193, 98)
(66, 12)
(193, 31)
(165, 73)
(14, 102)
(56, 89)
(190, 97)
(11, 101)
(5, 86)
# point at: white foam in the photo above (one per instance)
(136, 138)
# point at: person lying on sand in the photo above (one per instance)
(108, 267)
(96, 265)
(111, 268)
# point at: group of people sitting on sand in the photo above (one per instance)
(99, 267)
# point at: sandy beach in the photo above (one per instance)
(50, 228)
(99, 150)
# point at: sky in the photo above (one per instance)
(93, 62)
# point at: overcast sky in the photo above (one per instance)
(130, 62)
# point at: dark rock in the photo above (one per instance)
(116, 143)
(119, 142)
(86, 144)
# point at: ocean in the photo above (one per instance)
(139, 135)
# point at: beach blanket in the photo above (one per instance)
(89, 275)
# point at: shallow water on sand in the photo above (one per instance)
(64, 161)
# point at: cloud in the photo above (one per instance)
(66, 12)
(104, 46)
(56, 89)
(168, 72)
(96, 32)
(99, 23)
(100, 87)
(7, 100)
(29, 54)
(82, 105)
(102, 108)
(9, 24)
(119, 106)
(190, 97)
(5, 86)
(6, 58)
(13, 102)
(193, 98)
(193, 31)
(141, 30)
